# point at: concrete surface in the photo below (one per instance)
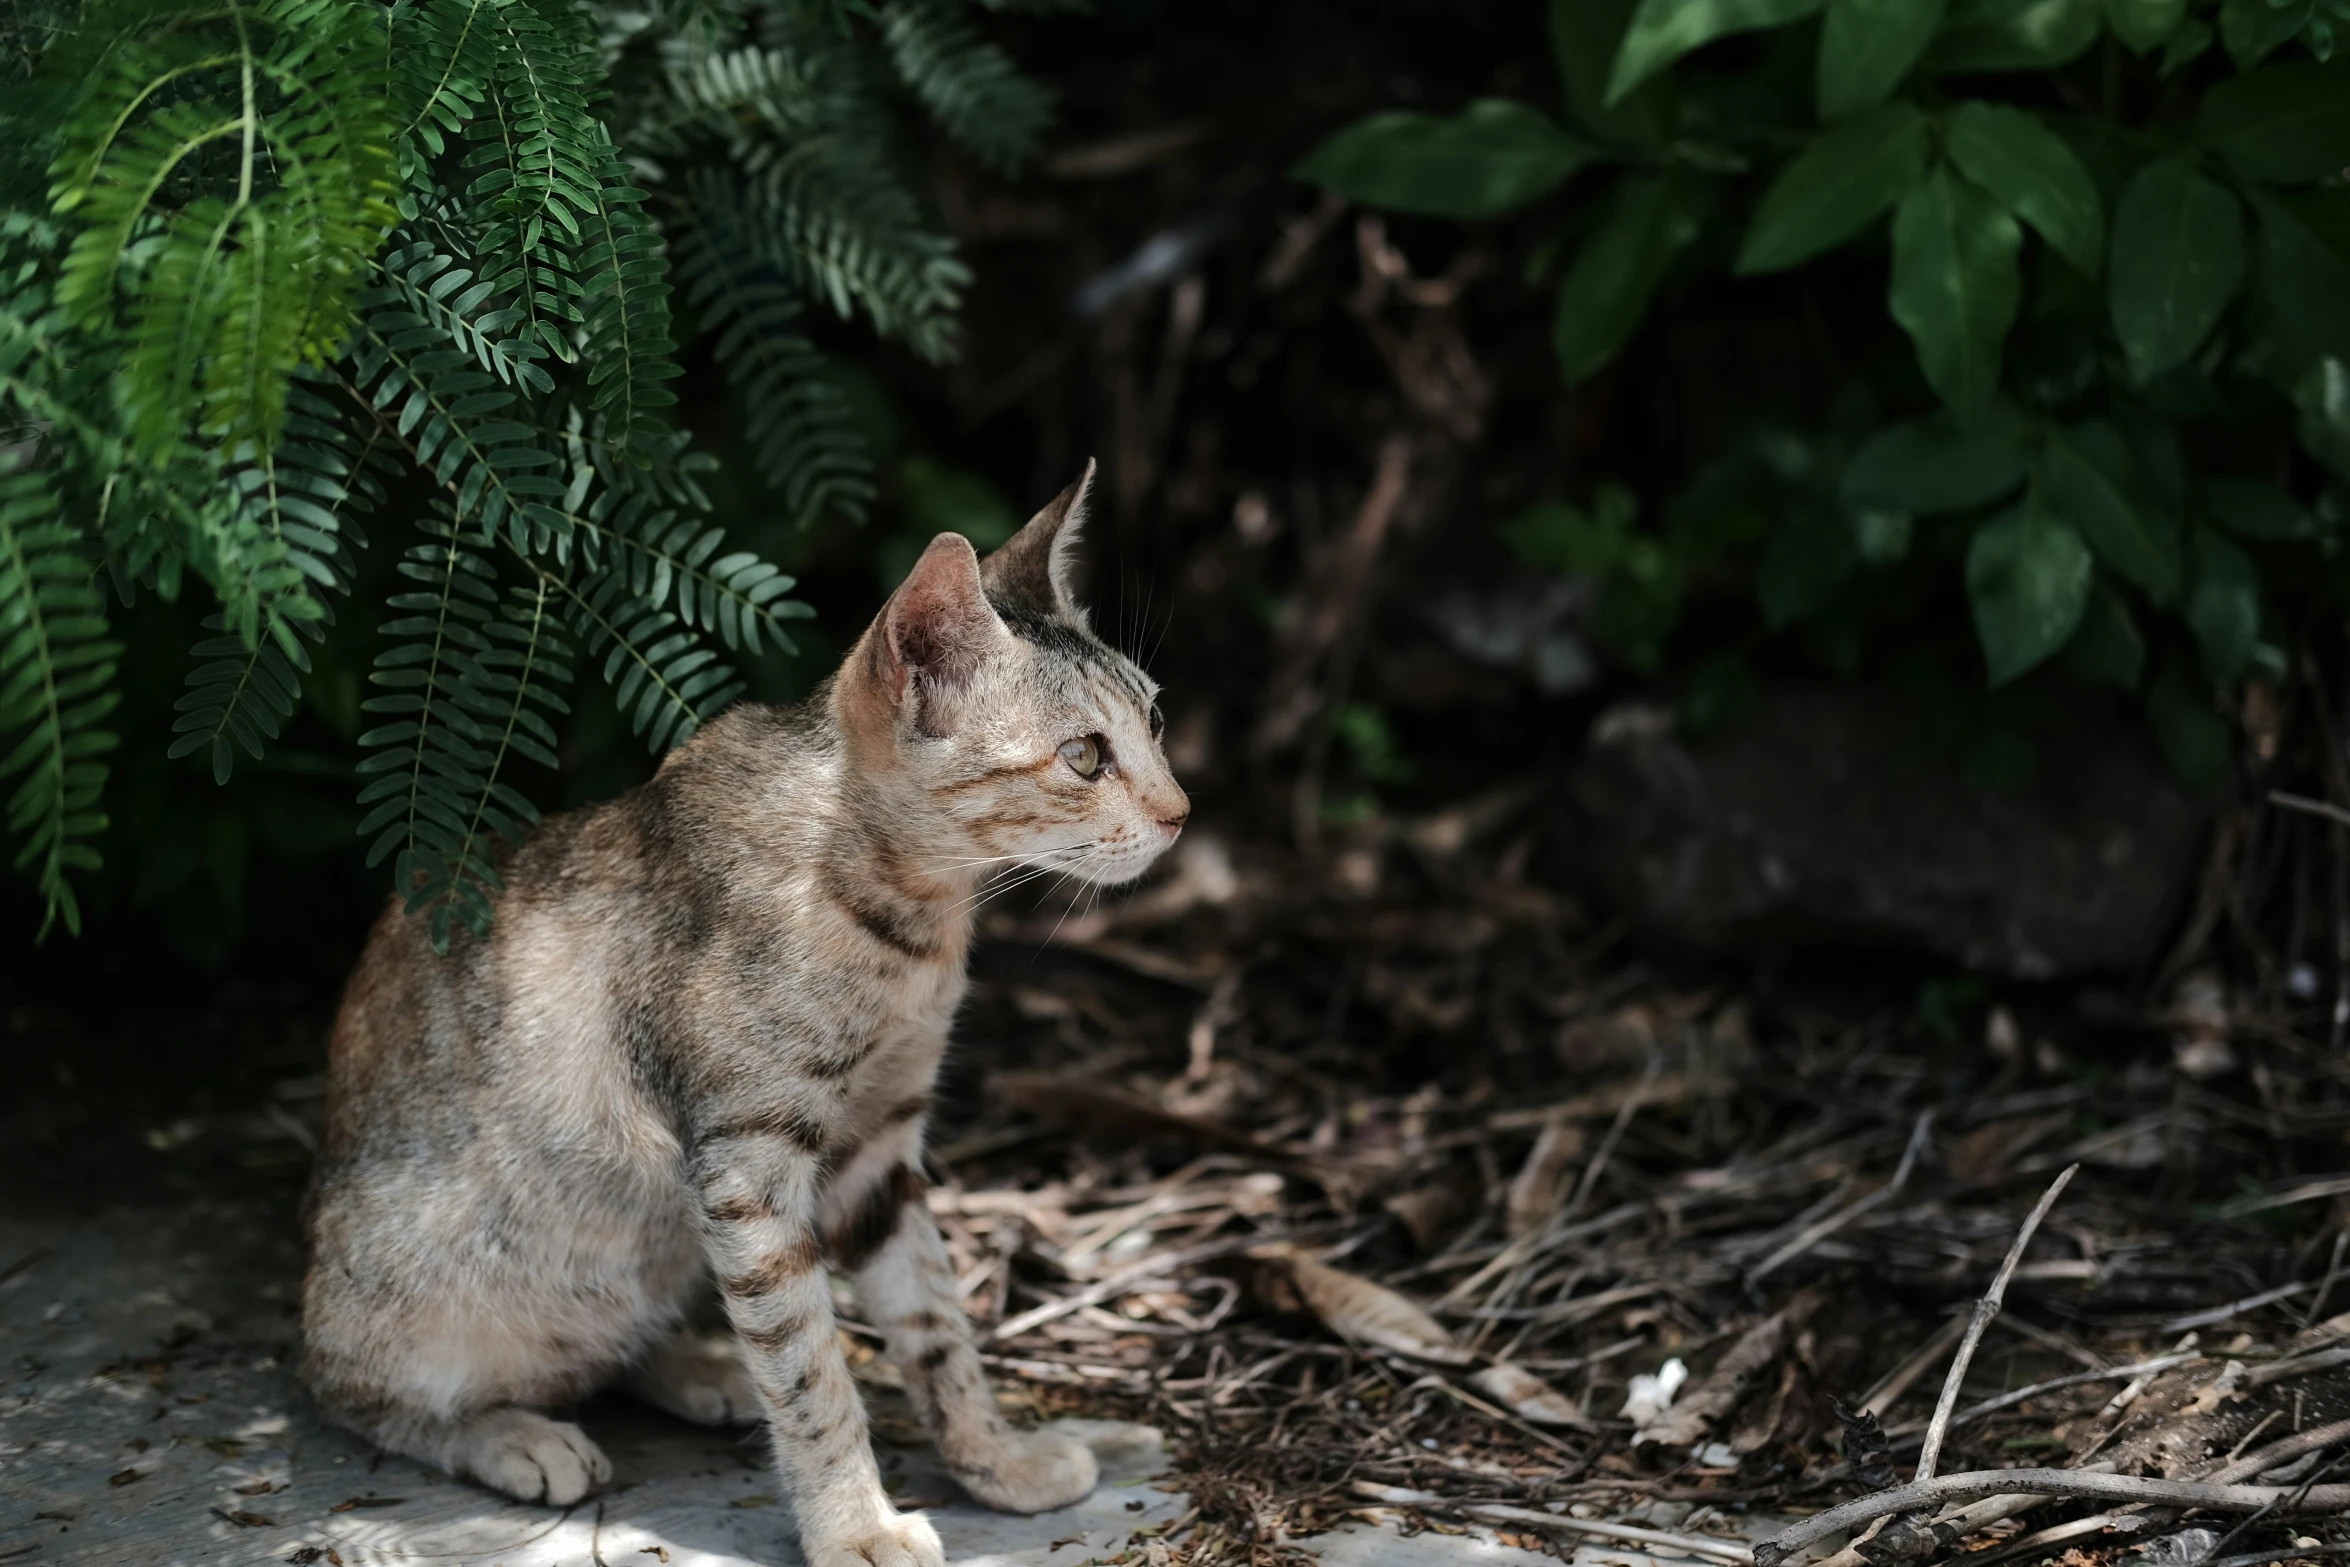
(150, 1417)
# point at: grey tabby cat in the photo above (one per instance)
(701, 1042)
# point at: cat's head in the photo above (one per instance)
(1016, 733)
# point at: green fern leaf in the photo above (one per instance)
(801, 430)
(56, 687)
(247, 151)
(666, 681)
(971, 87)
(625, 273)
(468, 683)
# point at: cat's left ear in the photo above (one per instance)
(1034, 567)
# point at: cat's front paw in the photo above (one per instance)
(902, 1540)
(1033, 1472)
(530, 1458)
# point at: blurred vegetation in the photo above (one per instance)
(442, 265)
(2078, 273)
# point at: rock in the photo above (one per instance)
(1812, 821)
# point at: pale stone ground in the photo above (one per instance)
(149, 1417)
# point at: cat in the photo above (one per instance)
(700, 1042)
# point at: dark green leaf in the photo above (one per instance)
(1938, 464)
(2305, 274)
(1955, 286)
(2322, 400)
(2036, 36)
(2222, 606)
(1648, 221)
(2107, 646)
(2195, 740)
(2256, 509)
(2253, 29)
(2286, 125)
(1584, 35)
(2027, 577)
(1494, 157)
(2142, 24)
(1661, 31)
(1836, 186)
(1867, 47)
(2186, 46)
(1807, 560)
(2033, 174)
(2086, 479)
(2178, 256)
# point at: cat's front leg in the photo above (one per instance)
(757, 1186)
(880, 1228)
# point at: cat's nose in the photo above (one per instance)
(1172, 825)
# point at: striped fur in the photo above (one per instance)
(700, 1046)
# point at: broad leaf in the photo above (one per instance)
(2143, 24)
(2037, 36)
(2186, 46)
(1836, 186)
(1866, 48)
(1661, 31)
(2305, 274)
(2257, 509)
(2321, 398)
(2107, 646)
(1938, 464)
(2222, 606)
(2178, 256)
(1955, 286)
(2254, 29)
(1606, 291)
(2035, 176)
(2286, 125)
(2086, 479)
(2027, 578)
(1494, 157)
(1584, 35)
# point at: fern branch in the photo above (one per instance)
(56, 688)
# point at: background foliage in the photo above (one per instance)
(2083, 269)
(274, 267)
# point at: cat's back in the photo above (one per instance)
(603, 911)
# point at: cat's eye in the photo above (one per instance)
(1158, 721)
(1083, 754)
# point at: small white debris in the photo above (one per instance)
(1650, 1396)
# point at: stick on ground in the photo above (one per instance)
(1985, 1310)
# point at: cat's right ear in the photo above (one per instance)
(936, 628)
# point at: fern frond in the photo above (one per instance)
(801, 430)
(246, 147)
(672, 560)
(468, 683)
(56, 687)
(624, 272)
(536, 159)
(971, 87)
(818, 187)
(455, 420)
(439, 288)
(246, 682)
(662, 676)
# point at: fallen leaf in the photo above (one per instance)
(753, 1501)
(124, 1477)
(245, 1520)
(1541, 1183)
(1355, 1308)
(1527, 1396)
(1685, 1422)
(349, 1502)
(661, 1551)
(256, 1488)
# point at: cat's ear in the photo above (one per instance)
(938, 624)
(1034, 567)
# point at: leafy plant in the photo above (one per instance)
(273, 265)
(2111, 419)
